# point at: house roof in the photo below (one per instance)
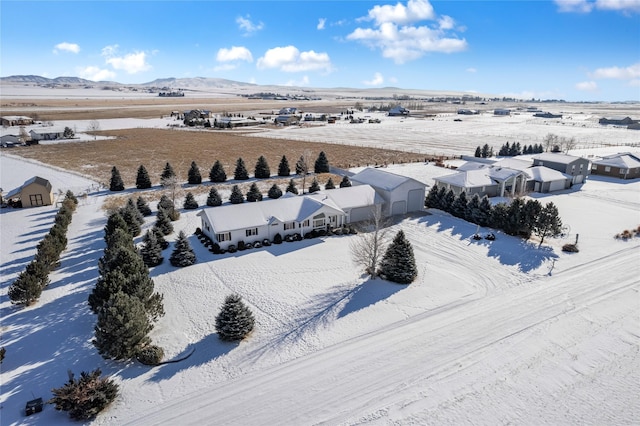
(246, 215)
(545, 174)
(381, 179)
(467, 179)
(351, 197)
(36, 179)
(623, 160)
(556, 157)
(47, 131)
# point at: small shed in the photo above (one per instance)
(34, 192)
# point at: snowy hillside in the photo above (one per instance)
(492, 332)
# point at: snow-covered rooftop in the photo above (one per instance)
(379, 178)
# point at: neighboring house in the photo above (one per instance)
(401, 194)
(290, 214)
(618, 121)
(287, 120)
(34, 192)
(46, 134)
(196, 114)
(492, 180)
(288, 111)
(465, 111)
(623, 165)
(10, 140)
(547, 115)
(16, 120)
(577, 167)
(501, 111)
(398, 111)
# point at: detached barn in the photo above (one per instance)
(401, 194)
(34, 192)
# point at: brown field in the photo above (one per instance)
(153, 148)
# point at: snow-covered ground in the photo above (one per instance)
(499, 332)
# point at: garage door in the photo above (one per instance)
(360, 213)
(399, 207)
(578, 179)
(416, 200)
(556, 185)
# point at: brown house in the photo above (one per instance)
(623, 165)
(34, 192)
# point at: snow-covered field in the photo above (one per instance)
(498, 332)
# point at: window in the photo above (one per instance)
(318, 220)
(289, 225)
(594, 167)
(251, 232)
(305, 223)
(607, 168)
(225, 236)
(623, 172)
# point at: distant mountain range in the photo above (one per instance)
(172, 83)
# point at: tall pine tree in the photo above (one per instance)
(217, 173)
(235, 320)
(241, 170)
(322, 163)
(182, 254)
(194, 176)
(283, 167)
(116, 183)
(399, 264)
(262, 170)
(142, 179)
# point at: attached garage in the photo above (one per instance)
(548, 180)
(401, 194)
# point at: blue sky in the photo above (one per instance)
(577, 50)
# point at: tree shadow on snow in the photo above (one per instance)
(206, 350)
(369, 293)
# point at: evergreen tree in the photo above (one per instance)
(143, 207)
(483, 215)
(329, 184)
(68, 133)
(314, 187)
(135, 212)
(504, 150)
(131, 219)
(190, 202)
(85, 398)
(26, 289)
(486, 151)
(163, 222)
(217, 173)
(431, 200)
(530, 213)
(548, 224)
(183, 254)
(214, 198)
(151, 250)
(194, 176)
(398, 263)
(254, 193)
(440, 199)
(302, 168)
(345, 183)
(114, 221)
(165, 203)
(321, 164)
(498, 216)
(122, 327)
(292, 187)
(142, 179)
(160, 237)
(241, 170)
(235, 320)
(262, 170)
(274, 192)
(167, 173)
(116, 183)
(478, 152)
(513, 222)
(447, 201)
(236, 196)
(459, 205)
(283, 167)
(473, 206)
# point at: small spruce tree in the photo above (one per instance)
(236, 196)
(163, 223)
(143, 207)
(190, 202)
(165, 203)
(135, 212)
(26, 289)
(84, 398)
(142, 179)
(194, 176)
(314, 187)
(151, 250)
(283, 167)
(321, 164)
(183, 254)
(160, 237)
(262, 170)
(116, 183)
(241, 170)
(274, 192)
(329, 184)
(167, 173)
(254, 193)
(345, 183)
(217, 173)
(235, 320)
(398, 263)
(214, 198)
(292, 187)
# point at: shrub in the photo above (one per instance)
(241, 245)
(570, 248)
(85, 398)
(173, 214)
(232, 249)
(277, 239)
(150, 355)
(215, 248)
(266, 242)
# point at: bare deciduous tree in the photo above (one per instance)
(302, 166)
(368, 247)
(93, 126)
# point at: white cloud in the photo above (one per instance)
(247, 25)
(587, 86)
(236, 53)
(415, 10)
(586, 6)
(96, 73)
(66, 47)
(321, 23)
(303, 82)
(471, 70)
(377, 80)
(403, 43)
(290, 59)
(131, 63)
(625, 73)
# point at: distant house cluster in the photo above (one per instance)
(16, 120)
(629, 122)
